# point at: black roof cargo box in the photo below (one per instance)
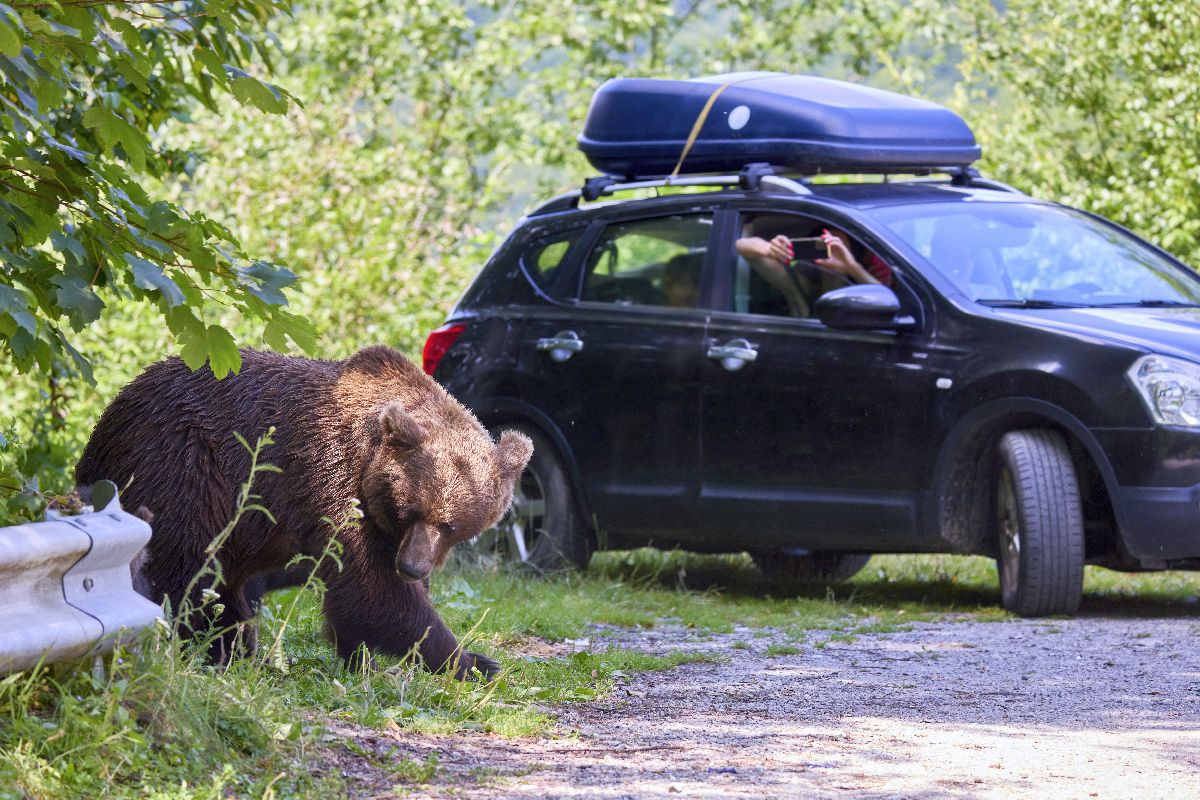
(638, 127)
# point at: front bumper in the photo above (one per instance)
(1156, 497)
(1161, 524)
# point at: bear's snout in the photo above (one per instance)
(415, 557)
(411, 573)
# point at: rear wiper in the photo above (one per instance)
(1151, 304)
(1030, 303)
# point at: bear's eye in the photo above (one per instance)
(446, 529)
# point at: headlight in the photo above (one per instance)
(1170, 387)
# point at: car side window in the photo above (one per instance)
(653, 262)
(542, 259)
(785, 262)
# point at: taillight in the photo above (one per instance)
(438, 343)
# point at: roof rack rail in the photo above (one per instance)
(752, 178)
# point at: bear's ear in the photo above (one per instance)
(400, 430)
(512, 454)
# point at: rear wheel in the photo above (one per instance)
(1039, 524)
(820, 566)
(543, 527)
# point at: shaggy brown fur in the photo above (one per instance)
(373, 427)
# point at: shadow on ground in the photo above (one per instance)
(936, 582)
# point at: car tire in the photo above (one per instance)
(1039, 524)
(543, 528)
(820, 566)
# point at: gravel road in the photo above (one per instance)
(1071, 708)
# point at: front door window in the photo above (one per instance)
(786, 261)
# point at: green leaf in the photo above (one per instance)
(150, 276)
(12, 303)
(264, 96)
(22, 344)
(223, 355)
(10, 39)
(77, 298)
(182, 321)
(266, 281)
(300, 330)
(189, 333)
(80, 19)
(49, 93)
(113, 130)
(275, 337)
(69, 245)
(129, 71)
(193, 350)
(212, 63)
(81, 363)
(198, 251)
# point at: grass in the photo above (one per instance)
(160, 723)
(409, 771)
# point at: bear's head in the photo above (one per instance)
(429, 487)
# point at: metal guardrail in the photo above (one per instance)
(65, 585)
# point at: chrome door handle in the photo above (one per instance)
(734, 354)
(561, 345)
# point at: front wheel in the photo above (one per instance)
(543, 527)
(1039, 524)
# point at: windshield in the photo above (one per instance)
(1014, 254)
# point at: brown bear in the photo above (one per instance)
(373, 427)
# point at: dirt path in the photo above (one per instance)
(1077, 708)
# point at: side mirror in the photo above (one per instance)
(865, 306)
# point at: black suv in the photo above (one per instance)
(1020, 379)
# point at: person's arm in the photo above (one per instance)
(770, 259)
(778, 249)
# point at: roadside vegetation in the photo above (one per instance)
(158, 722)
(158, 196)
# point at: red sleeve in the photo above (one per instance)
(879, 270)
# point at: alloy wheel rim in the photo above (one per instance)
(518, 533)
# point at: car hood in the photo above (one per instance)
(1170, 331)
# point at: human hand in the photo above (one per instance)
(781, 249)
(778, 249)
(841, 260)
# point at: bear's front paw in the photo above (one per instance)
(469, 662)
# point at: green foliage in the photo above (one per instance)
(157, 722)
(21, 502)
(82, 87)
(1093, 104)
(426, 133)
(782, 650)
(408, 771)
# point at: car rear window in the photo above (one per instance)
(653, 262)
(543, 259)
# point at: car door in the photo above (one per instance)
(812, 437)
(616, 367)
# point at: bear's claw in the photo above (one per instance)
(488, 668)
